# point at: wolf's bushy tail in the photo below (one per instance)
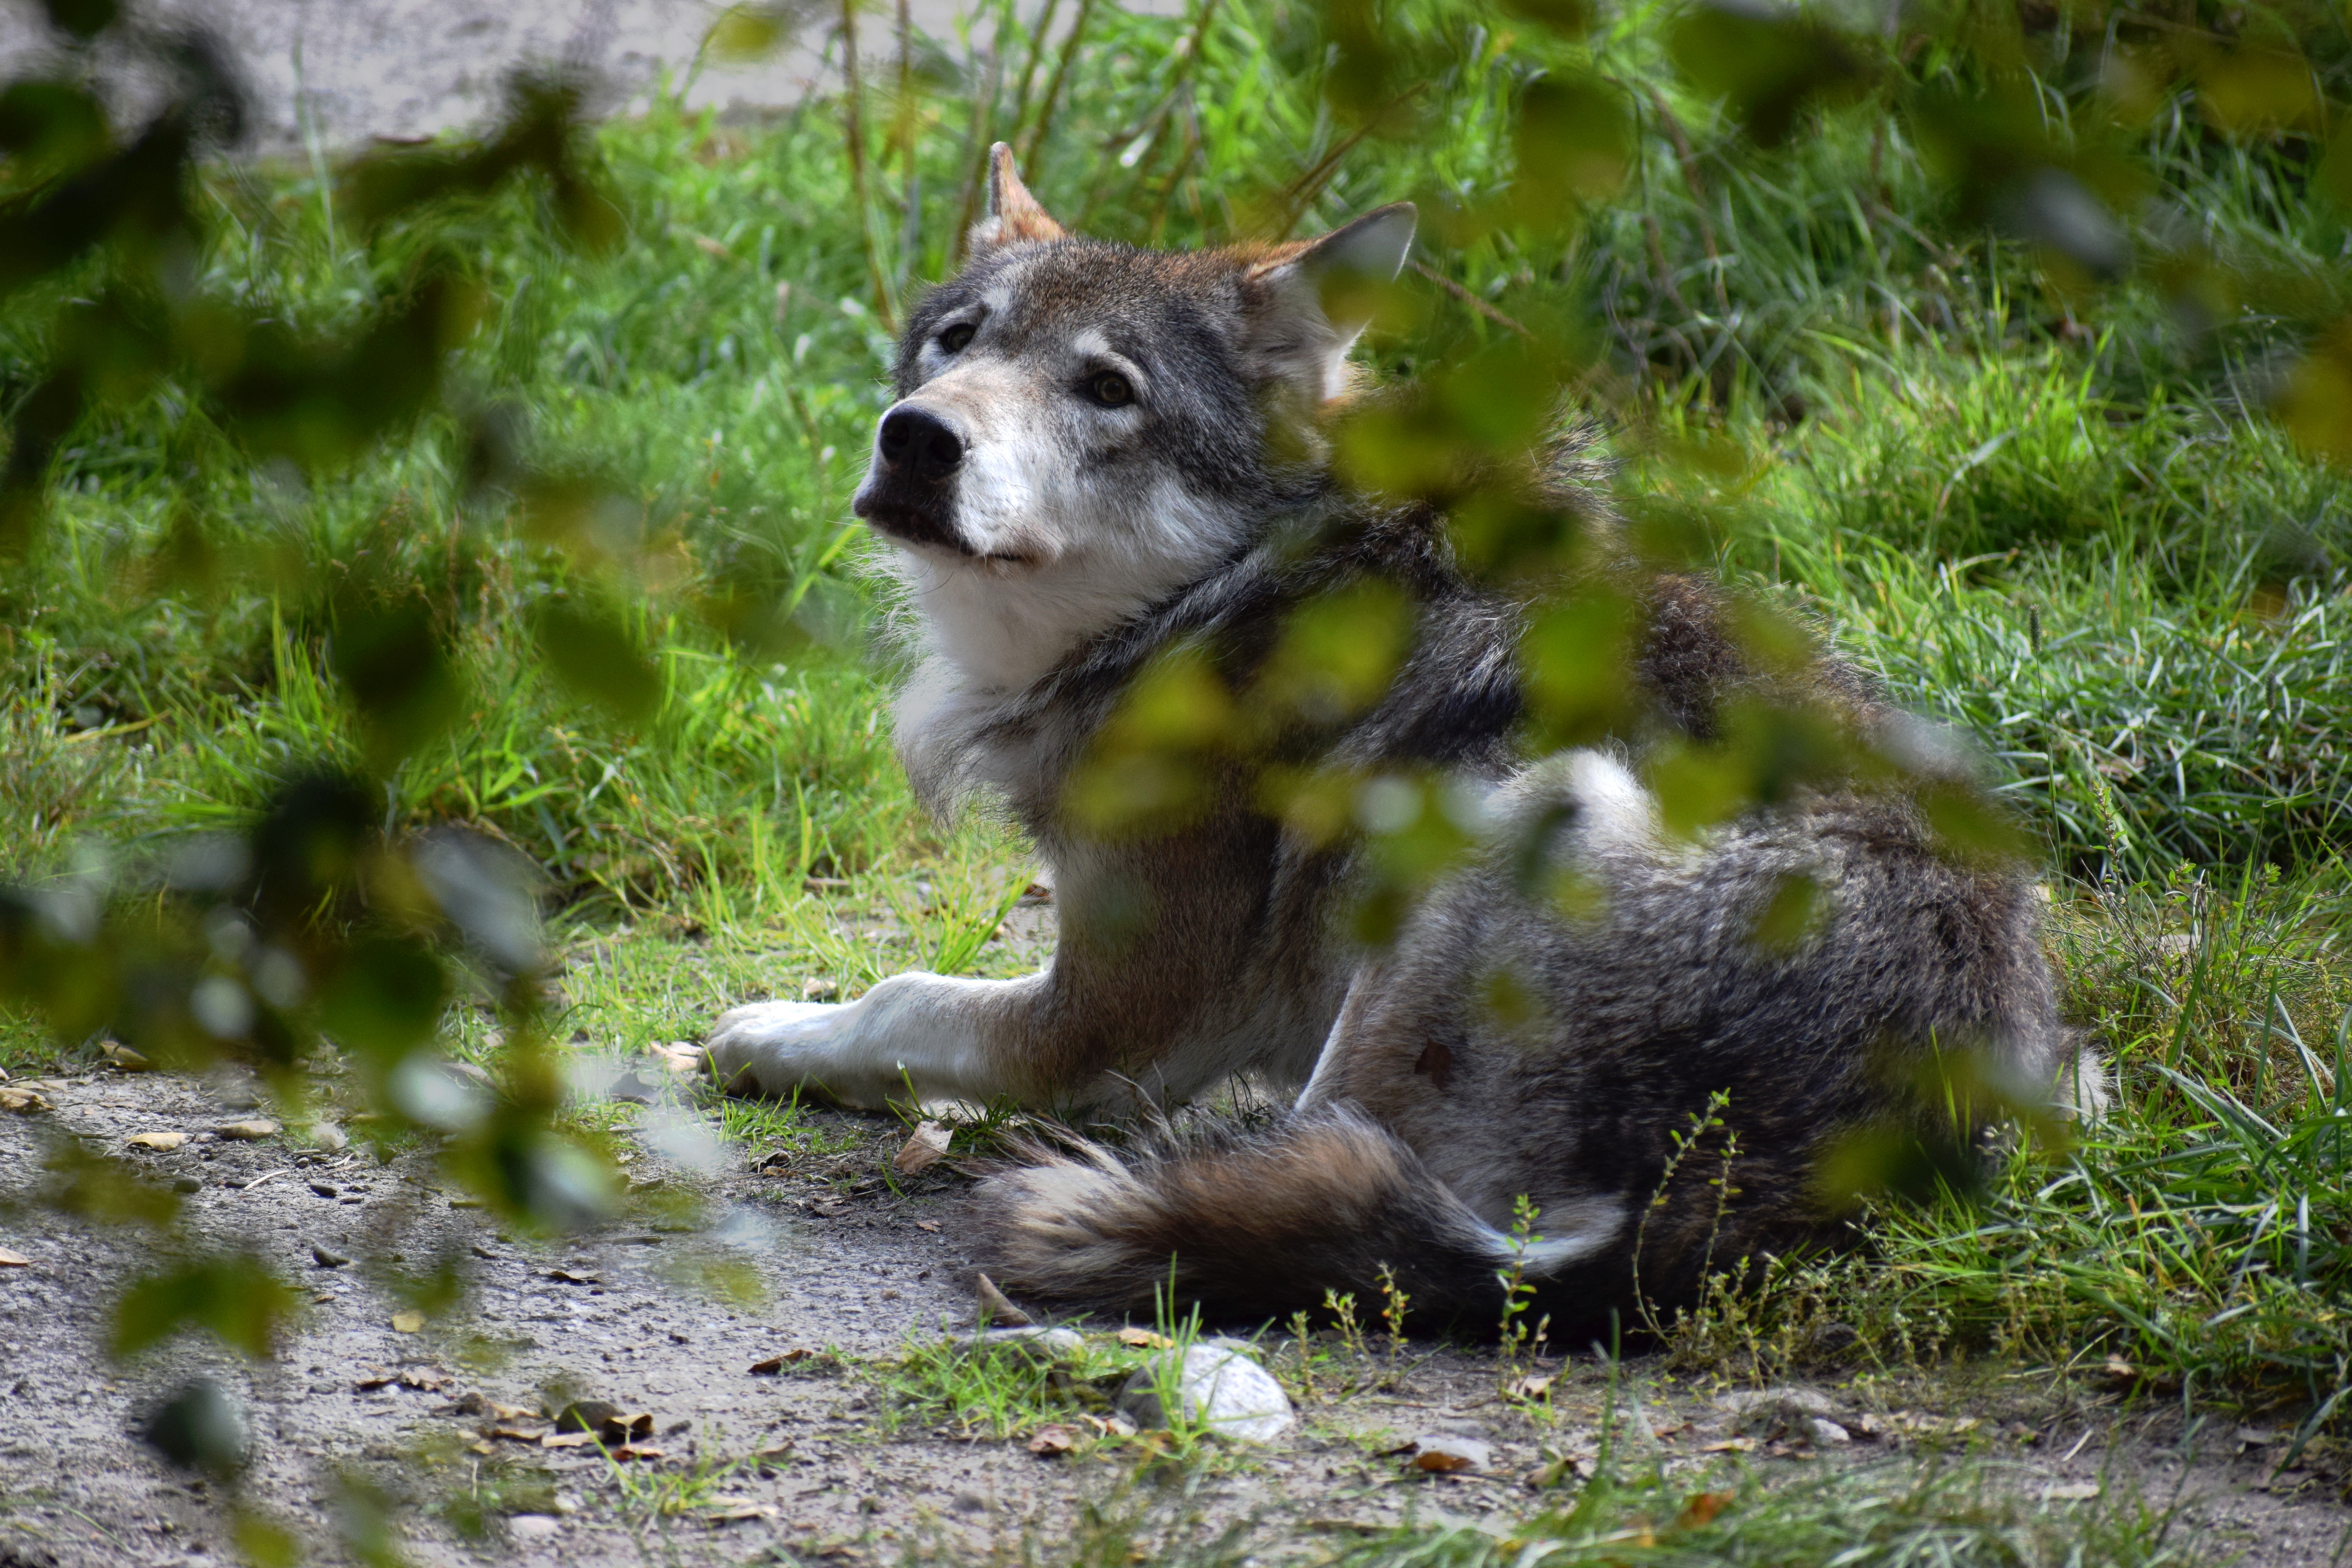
(1247, 1224)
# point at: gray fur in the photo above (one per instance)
(1512, 1041)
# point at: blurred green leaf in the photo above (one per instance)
(541, 132)
(1768, 64)
(263, 1542)
(319, 401)
(136, 197)
(1574, 143)
(1576, 656)
(386, 997)
(1336, 654)
(2255, 89)
(590, 652)
(103, 1189)
(238, 1298)
(82, 18)
(46, 125)
(1572, 18)
(1886, 1161)
(2315, 404)
(755, 30)
(1791, 916)
(1969, 825)
(390, 659)
(200, 1427)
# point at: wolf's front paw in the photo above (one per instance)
(775, 1047)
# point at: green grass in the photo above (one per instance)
(1888, 1512)
(2057, 519)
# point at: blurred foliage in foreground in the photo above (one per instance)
(375, 539)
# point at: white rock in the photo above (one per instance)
(1219, 1388)
(1826, 1432)
(533, 1526)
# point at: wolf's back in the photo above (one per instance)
(1250, 1225)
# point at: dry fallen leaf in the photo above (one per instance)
(162, 1142)
(1050, 1442)
(1445, 1455)
(926, 1146)
(587, 1416)
(122, 1058)
(22, 1101)
(1530, 1387)
(516, 1434)
(1700, 1508)
(1730, 1445)
(566, 1277)
(249, 1130)
(994, 1308)
(731, 1512)
(567, 1439)
(635, 1451)
(2069, 1492)
(930, 1224)
(13, 1260)
(776, 1363)
(408, 1322)
(1145, 1339)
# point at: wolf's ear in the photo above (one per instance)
(1013, 214)
(1311, 301)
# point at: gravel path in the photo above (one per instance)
(808, 1459)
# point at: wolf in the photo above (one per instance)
(1102, 459)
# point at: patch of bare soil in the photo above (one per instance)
(835, 1270)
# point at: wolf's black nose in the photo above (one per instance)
(920, 444)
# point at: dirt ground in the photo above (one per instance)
(816, 1460)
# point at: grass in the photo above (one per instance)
(2055, 518)
(1888, 1512)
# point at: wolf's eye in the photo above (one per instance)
(1111, 389)
(954, 339)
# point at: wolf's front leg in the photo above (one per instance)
(938, 1037)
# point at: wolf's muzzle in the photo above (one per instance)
(911, 494)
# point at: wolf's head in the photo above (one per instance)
(1083, 427)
